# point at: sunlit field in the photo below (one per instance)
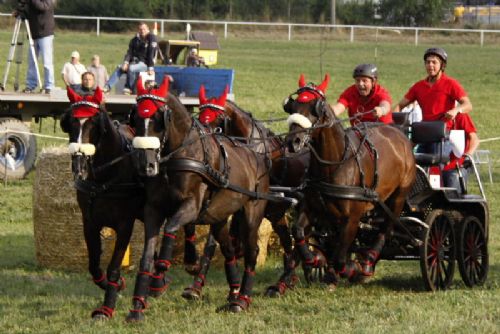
(38, 300)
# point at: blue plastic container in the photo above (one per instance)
(187, 80)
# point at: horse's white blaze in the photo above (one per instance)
(146, 125)
(299, 119)
(82, 121)
(146, 143)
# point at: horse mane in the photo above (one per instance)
(249, 116)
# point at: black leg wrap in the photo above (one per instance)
(159, 284)
(232, 278)
(190, 255)
(166, 251)
(101, 281)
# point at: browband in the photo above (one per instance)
(150, 97)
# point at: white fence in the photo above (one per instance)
(290, 26)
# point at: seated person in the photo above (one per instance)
(193, 60)
(139, 58)
(450, 172)
(364, 96)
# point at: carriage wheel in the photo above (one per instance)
(472, 252)
(437, 253)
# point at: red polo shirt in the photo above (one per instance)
(461, 122)
(356, 103)
(436, 99)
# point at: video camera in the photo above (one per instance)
(22, 9)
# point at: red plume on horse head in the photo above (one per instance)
(213, 107)
(150, 99)
(85, 106)
(315, 92)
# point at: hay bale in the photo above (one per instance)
(58, 228)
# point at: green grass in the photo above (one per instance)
(37, 300)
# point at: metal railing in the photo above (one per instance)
(290, 26)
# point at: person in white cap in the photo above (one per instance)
(72, 71)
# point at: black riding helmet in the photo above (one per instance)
(365, 70)
(437, 52)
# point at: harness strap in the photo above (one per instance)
(108, 190)
(343, 191)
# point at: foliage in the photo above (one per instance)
(354, 13)
(413, 12)
(113, 8)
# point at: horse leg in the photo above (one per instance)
(396, 203)
(288, 279)
(194, 292)
(344, 267)
(152, 223)
(191, 264)
(93, 241)
(116, 283)
(309, 259)
(254, 213)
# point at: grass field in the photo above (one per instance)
(37, 300)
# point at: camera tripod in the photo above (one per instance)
(19, 55)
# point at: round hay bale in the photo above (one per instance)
(58, 228)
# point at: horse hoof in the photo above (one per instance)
(99, 317)
(135, 316)
(191, 294)
(272, 292)
(233, 308)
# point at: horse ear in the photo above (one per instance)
(140, 86)
(222, 99)
(203, 98)
(98, 97)
(72, 95)
(302, 81)
(163, 90)
(324, 84)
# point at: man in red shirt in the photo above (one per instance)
(366, 100)
(450, 172)
(437, 94)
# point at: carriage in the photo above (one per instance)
(439, 226)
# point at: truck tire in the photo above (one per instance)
(17, 149)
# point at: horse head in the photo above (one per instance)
(150, 120)
(85, 124)
(307, 106)
(212, 111)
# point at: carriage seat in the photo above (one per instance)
(433, 132)
(402, 121)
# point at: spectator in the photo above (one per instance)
(193, 60)
(440, 97)
(139, 58)
(366, 99)
(72, 71)
(40, 15)
(99, 71)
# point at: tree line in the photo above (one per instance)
(369, 12)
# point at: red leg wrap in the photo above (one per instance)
(107, 311)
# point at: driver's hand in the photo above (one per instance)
(451, 114)
(125, 67)
(378, 111)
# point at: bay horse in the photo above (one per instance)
(285, 170)
(352, 171)
(207, 178)
(108, 190)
